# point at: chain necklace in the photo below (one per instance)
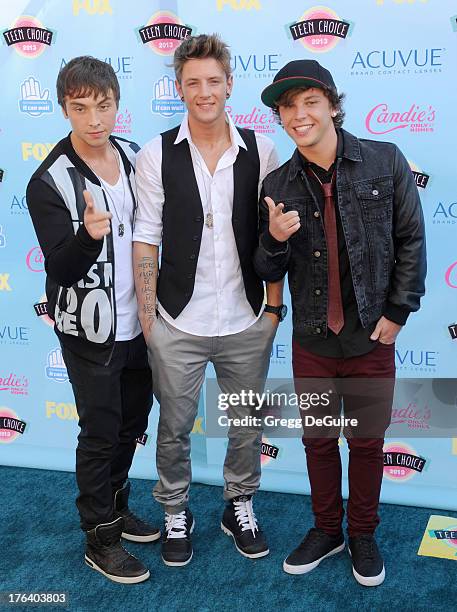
(209, 217)
(121, 227)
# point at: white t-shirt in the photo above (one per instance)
(127, 324)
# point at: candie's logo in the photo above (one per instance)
(123, 123)
(28, 37)
(35, 260)
(11, 425)
(451, 276)
(257, 120)
(381, 119)
(319, 29)
(164, 32)
(421, 178)
(16, 385)
(401, 462)
(412, 416)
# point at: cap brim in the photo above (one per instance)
(271, 93)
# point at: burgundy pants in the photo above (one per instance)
(364, 387)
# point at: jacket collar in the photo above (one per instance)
(350, 151)
(81, 165)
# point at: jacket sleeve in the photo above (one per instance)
(407, 284)
(271, 258)
(68, 256)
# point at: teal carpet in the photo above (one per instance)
(42, 550)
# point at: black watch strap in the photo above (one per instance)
(279, 311)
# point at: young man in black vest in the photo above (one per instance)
(198, 188)
(343, 218)
(81, 200)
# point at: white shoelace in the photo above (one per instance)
(245, 515)
(175, 525)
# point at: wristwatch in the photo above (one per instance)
(279, 311)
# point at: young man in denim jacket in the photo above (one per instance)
(343, 218)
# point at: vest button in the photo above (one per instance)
(317, 253)
(375, 192)
(192, 256)
(317, 291)
(190, 276)
(318, 330)
(198, 219)
(317, 214)
(195, 238)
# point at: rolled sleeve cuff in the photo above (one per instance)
(395, 313)
(147, 236)
(273, 246)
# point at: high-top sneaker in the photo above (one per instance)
(105, 554)
(176, 541)
(135, 529)
(239, 521)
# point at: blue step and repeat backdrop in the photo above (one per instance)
(394, 59)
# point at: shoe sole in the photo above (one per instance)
(149, 538)
(368, 581)
(258, 555)
(121, 579)
(181, 563)
(308, 567)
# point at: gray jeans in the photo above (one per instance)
(178, 361)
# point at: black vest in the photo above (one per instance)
(183, 221)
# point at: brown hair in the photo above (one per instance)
(335, 99)
(85, 75)
(200, 47)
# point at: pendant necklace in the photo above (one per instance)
(209, 217)
(121, 227)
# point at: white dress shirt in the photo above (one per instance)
(218, 305)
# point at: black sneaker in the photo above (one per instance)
(105, 554)
(316, 546)
(176, 541)
(239, 521)
(135, 529)
(367, 563)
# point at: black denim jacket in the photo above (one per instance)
(383, 225)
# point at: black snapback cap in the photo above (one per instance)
(298, 73)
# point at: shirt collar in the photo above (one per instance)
(184, 133)
(298, 161)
